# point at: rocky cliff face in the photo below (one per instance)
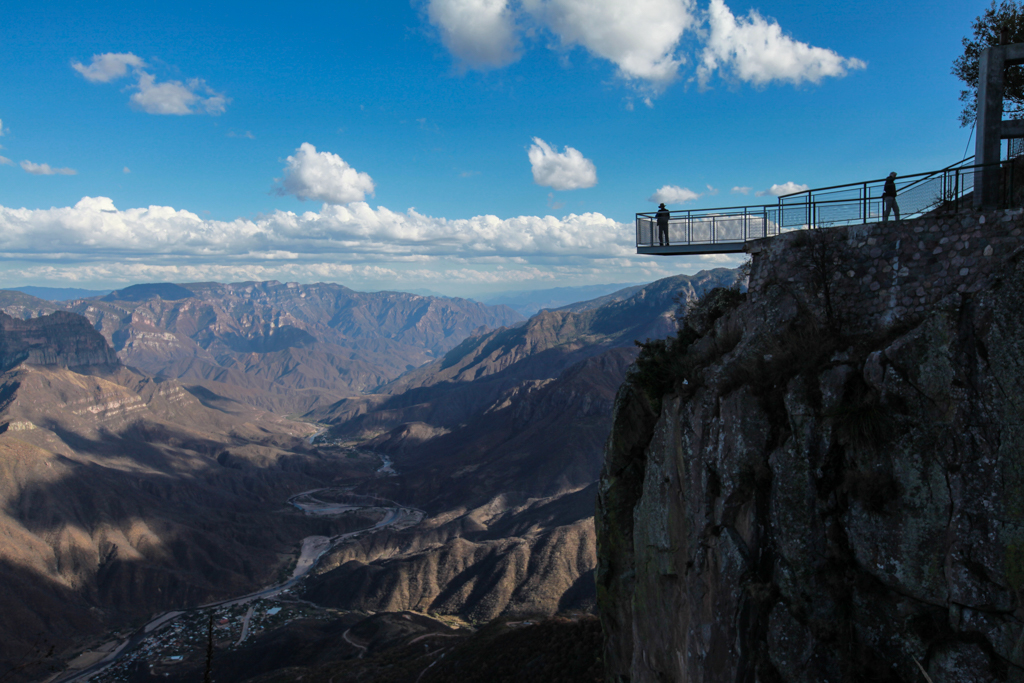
(783, 501)
(60, 338)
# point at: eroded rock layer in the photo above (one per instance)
(800, 503)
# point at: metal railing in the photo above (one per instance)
(724, 230)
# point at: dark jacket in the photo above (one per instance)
(662, 217)
(890, 188)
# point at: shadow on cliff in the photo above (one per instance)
(100, 545)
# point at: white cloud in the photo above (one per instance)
(108, 67)
(247, 134)
(323, 176)
(784, 188)
(175, 97)
(4, 161)
(568, 170)
(642, 38)
(127, 170)
(673, 194)
(152, 97)
(741, 189)
(46, 169)
(1, 128)
(711, 190)
(639, 36)
(102, 246)
(756, 51)
(480, 33)
(95, 229)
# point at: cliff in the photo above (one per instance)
(60, 338)
(824, 480)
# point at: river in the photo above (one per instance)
(313, 548)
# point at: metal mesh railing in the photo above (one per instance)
(947, 189)
(1014, 147)
(728, 225)
(862, 202)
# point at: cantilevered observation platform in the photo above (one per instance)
(727, 230)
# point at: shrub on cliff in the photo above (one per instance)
(664, 366)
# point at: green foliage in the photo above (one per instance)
(865, 424)
(999, 23)
(666, 366)
(874, 488)
(700, 316)
(801, 349)
(1015, 566)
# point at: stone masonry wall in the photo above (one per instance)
(889, 272)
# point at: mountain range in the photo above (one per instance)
(148, 457)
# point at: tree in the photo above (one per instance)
(1000, 25)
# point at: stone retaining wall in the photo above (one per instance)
(883, 273)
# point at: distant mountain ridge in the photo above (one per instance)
(128, 494)
(280, 346)
(501, 441)
(59, 293)
(532, 301)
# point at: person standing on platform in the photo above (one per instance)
(662, 218)
(889, 198)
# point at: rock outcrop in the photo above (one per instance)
(789, 499)
(62, 339)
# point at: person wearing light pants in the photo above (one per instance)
(889, 198)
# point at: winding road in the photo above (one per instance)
(313, 548)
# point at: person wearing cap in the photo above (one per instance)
(662, 218)
(889, 198)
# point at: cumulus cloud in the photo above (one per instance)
(783, 189)
(46, 169)
(108, 67)
(1, 128)
(755, 50)
(568, 170)
(168, 97)
(94, 229)
(639, 36)
(741, 189)
(94, 243)
(324, 177)
(4, 161)
(644, 39)
(175, 97)
(479, 33)
(673, 194)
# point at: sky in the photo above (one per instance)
(463, 147)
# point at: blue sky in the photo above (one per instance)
(425, 145)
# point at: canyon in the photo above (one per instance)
(152, 442)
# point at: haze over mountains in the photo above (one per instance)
(285, 347)
(530, 302)
(59, 293)
(148, 462)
